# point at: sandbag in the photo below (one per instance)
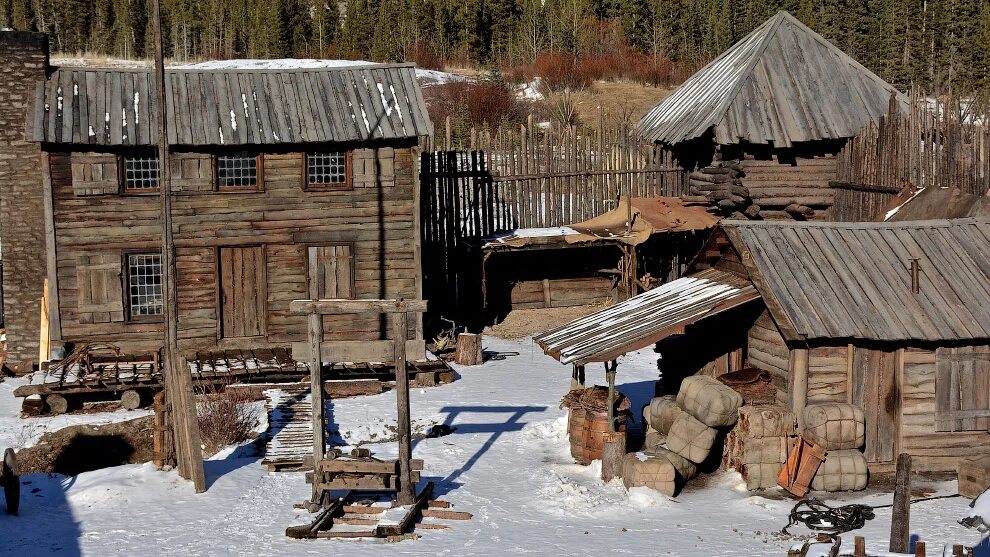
(843, 470)
(765, 421)
(709, 400)
(835, 425)
(663, 410)
(690, 438)
(656, 471)
(653, 439)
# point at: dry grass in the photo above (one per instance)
(521, 323)
(620, 100)
(226, 418)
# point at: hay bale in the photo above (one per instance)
(690, 438)
(761, 476)
(835, 425)
(765, 421)
(663, 410)
(663, 471)
(653, 439)
(843, 470)
(709, 400)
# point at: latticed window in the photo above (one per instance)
(144, 284)
(141, 173)
(237, 171)
(326, 168)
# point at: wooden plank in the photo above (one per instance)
(359, 350)
(404, 425)
(51, 253)
(342, 306)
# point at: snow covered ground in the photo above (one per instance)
(507, 463)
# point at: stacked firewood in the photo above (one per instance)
(720, 187)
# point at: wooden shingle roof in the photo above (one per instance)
(783, 83)
(853, 280)
(89, 106)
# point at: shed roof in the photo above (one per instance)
(643, 320)
(934, 203)
(853, 280)
(782, 83)
(92, 106)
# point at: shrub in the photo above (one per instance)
(226, 418)
(473, 103)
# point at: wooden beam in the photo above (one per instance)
(358, 350)
(316, 388)
(341, 306)
(51, 255)
(900, 520)
(407, 490)
(178, 380)
(417, 239)
(798, 386)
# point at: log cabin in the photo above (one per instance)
(760, 127)
(287, 184)
(893, 317)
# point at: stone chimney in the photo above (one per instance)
(23, 65)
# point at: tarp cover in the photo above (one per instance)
(650, 215)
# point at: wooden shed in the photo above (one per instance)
(288, 184)
(761, 125)
(893, 317)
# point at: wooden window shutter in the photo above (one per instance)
(95, 174)
(331, 272)
(962, 388)
(101, 291)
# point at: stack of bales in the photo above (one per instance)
(680, 434)
(720, 186)
(758, 446)
(841, 430)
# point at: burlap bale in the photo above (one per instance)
(709, 400)
(685, 468)
(765, 450)
(843, 470)
(835, 425)
(690, 438)
(663, 410)
(653, 439)
(765, 421)
(761, 476)
(642, 470)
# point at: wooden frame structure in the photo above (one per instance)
(399, 311)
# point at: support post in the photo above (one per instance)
(799, 384)
(318, 403)
(178, 381)
(610, 376)
(54, 311)
(577, 377)
(900, 520)
(613, 441)
(407, 491)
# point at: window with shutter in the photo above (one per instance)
(331, 271)
(100, 288)
(962, 388)
(95, 174)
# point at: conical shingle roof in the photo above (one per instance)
(783, 83)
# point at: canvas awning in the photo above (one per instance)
(647, 318)
(650, 215)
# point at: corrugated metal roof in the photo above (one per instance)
(853, 280)
(642, 320)
(231, 106)
(783, 83)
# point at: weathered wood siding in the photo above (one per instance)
(285, 220)
(774, 184)
(768, 351)
(562, 292)
(827, 374)
(932, 450)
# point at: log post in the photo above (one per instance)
(468, 350)
(859, 547)
(407, 491)
(318, 402)
(919, 549)
(577, 377)
(900, 521)
(610, 376)
(613, 451)
(799, 384)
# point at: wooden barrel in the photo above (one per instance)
(575, 432)
(595, 426)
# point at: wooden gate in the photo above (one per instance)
(876, 389)
(243, 292)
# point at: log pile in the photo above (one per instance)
(720, 186)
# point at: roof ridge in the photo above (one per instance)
(179, 69)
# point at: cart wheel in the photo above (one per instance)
(11, 482)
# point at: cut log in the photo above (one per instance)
(613, 451)
(694, 199)
(57, 404)
(33, 405)
(132, 399)
(799, 210)
(753, 211)
(468, 350)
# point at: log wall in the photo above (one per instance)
(827, 374)
(777, 185)
(768, 351)
(377, 221)
(562, 292)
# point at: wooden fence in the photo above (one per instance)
(929, 143)
(533, 177)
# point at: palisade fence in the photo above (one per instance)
(531, 177)
(928, 142)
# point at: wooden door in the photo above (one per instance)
(876, 390)
(243, 292)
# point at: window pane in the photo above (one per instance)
(144, 275)
(237, 171)
(328, 167)
(141, 173)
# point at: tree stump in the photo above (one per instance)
(57, 404)
(131, 399)
(468, 349)
(613, 451)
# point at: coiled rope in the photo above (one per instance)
(819, 516)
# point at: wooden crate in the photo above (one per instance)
(974, 476)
